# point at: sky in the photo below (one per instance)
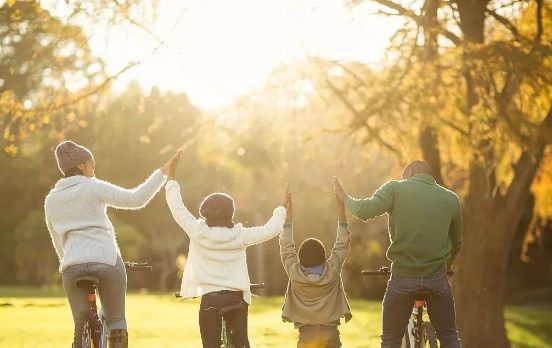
(222, 49)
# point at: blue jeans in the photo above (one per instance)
(397, 309)
(210, 323)
(112, 291)
(318, 336)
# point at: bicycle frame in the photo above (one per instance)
(225, 336)
(99, 330)
(414, 327)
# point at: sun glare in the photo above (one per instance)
(223, 49)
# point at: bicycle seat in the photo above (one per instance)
(87, 281)
(233, 308)
(421, 295)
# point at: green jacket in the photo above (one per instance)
(425, 224)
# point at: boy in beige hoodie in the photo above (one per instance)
(315, 299)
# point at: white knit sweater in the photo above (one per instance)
(217, 258)
(76, 216)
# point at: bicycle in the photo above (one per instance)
(419, 333)
(226, 332)
(90, 326)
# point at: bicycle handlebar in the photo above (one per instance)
(386, 271)
(135, 266)
(256, 286)
(380, 272)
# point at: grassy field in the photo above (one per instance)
(31, 318)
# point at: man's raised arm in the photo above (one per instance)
(380, 203)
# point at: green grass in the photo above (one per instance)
(39, 318)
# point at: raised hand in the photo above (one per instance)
(287, 198)
(339, 197)
(171, 175)
(338, 190)
(167, 166)
(289, 208)
(165, 169)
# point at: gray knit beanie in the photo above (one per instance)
(69, 155)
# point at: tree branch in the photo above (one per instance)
(506, 22)
(93, 91)
(371, 132)
(113, 77)
(453, 126)
(400, 81)
(538, 36)
(529, 162)
(419, 20)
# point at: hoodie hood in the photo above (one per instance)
(64, 183)
(220, 235)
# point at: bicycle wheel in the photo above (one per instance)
(86, 332)
(429, 337)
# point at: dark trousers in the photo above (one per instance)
(210, 323)
(318, 336)
(397, 309)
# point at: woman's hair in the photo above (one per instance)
(312, 253)
(73, 172)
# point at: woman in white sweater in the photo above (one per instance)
(83, 236)
(216, 268)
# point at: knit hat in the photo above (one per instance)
(69, 155)
(218, 210)
(312, 253)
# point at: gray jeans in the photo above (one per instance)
(397, 309)
(112, 291)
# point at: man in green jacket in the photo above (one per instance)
(425, 228)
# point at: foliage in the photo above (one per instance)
(43, 62)
(34, 266)
(467, 86)
(474, 104)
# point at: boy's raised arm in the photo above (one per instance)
(287, 246)
(343, 240)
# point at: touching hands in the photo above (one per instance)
(338, 190)
(289, 209)
(339, 197)
(169, 168)
(286, 203)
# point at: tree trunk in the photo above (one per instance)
(428, 144)
(480, 276)
(489, 229)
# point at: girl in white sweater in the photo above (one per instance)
(83, 236)
(216, 268)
